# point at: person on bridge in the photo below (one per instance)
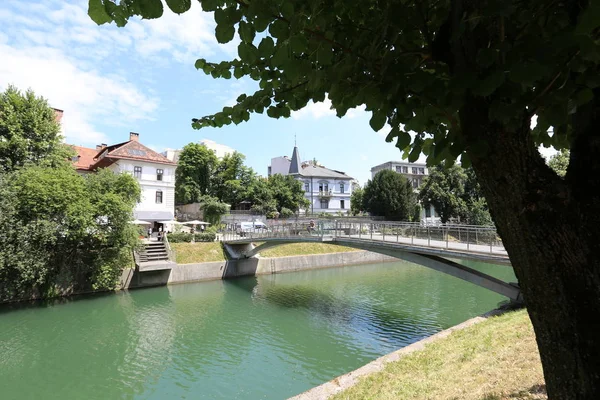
(311, 226)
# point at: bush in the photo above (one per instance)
(187, 237)
(182, 237)
(205, 237)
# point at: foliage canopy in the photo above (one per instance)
(390, 195)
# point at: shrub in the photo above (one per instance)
(187, 237)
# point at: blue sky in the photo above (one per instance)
(141, 78)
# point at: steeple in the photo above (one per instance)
(295, 166)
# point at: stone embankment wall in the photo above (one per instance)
(247, 267)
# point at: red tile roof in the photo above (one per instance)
(85, 157)
(90, 159)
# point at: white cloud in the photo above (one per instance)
(315, 110)
(54, 48)
(84, 95)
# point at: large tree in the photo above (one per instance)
(466, 77)
(560, 162)
(194, 172)
(63, 232)
(444, 188)
(29, 131)
(389, 195)
(288, 193)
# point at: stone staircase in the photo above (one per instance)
(154, 256)
(154, 251)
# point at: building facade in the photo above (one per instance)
(326, 189)
(153, 171)
(414, 172)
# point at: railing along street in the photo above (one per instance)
(481, 239)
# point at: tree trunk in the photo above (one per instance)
(551, 229)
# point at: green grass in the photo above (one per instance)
(494, 360)
(187, 253)
(301, 249)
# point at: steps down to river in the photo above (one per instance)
(154, 256)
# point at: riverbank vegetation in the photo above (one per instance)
(492, 360)
(60, 232)
(303, 249)
(202, 178)
(188, 253)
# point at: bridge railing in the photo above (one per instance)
(454, 237)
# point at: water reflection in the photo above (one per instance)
(268, 337)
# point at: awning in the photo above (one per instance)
(153, 215)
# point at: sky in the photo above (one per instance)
(141, 78)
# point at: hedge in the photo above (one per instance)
(187, 237)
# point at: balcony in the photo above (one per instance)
(325, 195)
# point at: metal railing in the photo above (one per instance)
(482, 239)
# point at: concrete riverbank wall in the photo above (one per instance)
(246, 267)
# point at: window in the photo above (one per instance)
(428, 212)
(414, 170)
(415, 183)
(159, 174)
(137, 172)
(342, 204)
(324, 204)
(398, 168)
(422, 171)
(306, 187)
(159, 197)
(323, 187)
(405, 170)
(342, 189)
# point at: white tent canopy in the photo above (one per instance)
(196, 222)
(140, 222)
(172, 222)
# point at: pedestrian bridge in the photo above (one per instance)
(431, 246)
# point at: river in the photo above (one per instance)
(268, 337)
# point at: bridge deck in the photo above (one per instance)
(448, 249)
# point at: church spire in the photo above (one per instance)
(295, 166)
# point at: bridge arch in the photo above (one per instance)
(427, 257)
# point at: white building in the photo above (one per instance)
(154, 172)
(415, 173)
(327, 190)
(220, 150)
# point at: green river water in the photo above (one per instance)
(268, 337)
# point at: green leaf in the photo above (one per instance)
(590, 19)
(246, 32)
(279, 29)
(325, 54)
(403, 140)
(224, 33)
(287, 10)
(179, 6)
(378, 120)
(221, 16)
(151, 9)
(247, 52)
(97, 12)
(266, 47)
(210, 5)
(414, 154)
(489, 84)
(200, 63)
(584, 96)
